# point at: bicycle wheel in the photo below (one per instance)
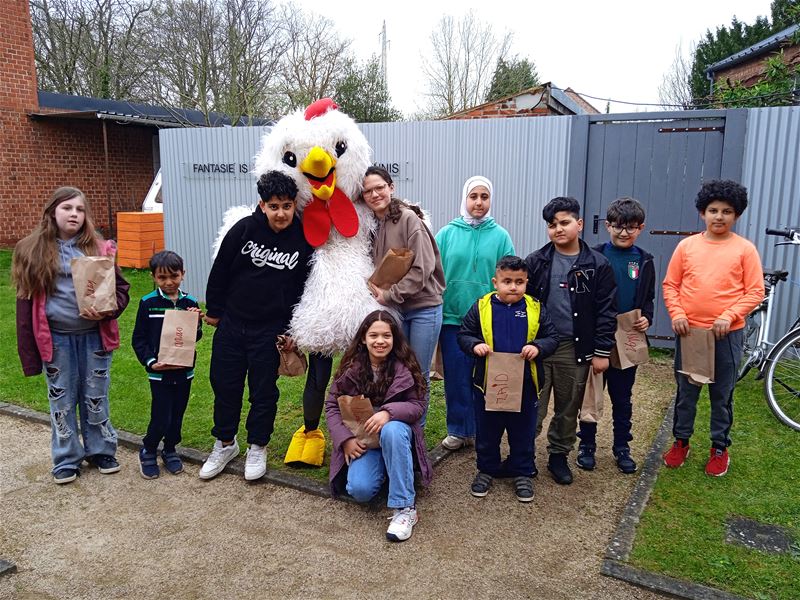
(782, 380)
(752, 354)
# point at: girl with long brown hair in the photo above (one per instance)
(381, 365)
(73, 348)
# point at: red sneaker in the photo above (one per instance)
(718, 462)
(676, 456)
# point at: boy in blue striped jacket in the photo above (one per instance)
(169, 385)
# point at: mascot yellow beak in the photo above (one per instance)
(319, 167)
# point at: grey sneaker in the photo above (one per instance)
(220, 456)
(455, 442)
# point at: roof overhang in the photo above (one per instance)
(115, 117)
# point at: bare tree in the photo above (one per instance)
(316, 58)
(90, 47)
(675, 90)
(461, 62)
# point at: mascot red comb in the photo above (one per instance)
(326, 154)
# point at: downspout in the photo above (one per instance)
(710, 77)
(108, 182)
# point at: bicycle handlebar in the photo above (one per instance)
(789, 234)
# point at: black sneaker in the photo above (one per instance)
(148, 466)
(585, 458)
(105, 464)
(523, 488)
(559, 469)
(624, 461)
(66, 475)
(481, 484)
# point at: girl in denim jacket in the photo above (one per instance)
(74, 349)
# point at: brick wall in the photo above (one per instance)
(749, 72)
(505, 109)
(37, 156)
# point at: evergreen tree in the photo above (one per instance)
(512, 76)
(362, 94)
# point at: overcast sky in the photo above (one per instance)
(612, 49)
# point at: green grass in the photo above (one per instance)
(682, 531)
(130, 391)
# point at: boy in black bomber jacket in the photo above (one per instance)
(169, 385)
(577, 286)
(257, 277)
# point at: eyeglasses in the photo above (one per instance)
(629, 229)
(378, 188)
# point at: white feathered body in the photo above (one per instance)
(336, 297)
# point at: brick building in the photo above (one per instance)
(106, 148)
(544, 100)
(747, 67)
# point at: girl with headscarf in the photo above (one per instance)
(470, 246)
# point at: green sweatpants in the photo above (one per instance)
(565, 380)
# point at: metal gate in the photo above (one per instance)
(661, 161)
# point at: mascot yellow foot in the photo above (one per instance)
(306, 448)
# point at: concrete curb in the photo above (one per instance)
(193, 456)
(619, 548)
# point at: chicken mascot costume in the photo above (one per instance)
(326, 154)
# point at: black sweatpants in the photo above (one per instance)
(168, 405)
(244, 349)
(317, 379)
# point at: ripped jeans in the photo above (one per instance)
(78, 376)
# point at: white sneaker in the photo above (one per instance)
(454, 442)
(255, 466)
(219, 457)
(402, 524)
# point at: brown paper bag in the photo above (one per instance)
(504, 373)
(592, 407)
(95, 283)
(178, 338)
(355, 411)
(393, 267)
(293, 364)
(437, 365)
(697, 355)
(631, 348)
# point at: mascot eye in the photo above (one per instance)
(341, 148)
(290, 159)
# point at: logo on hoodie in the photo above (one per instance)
(270, 257)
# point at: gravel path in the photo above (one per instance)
(119, 536)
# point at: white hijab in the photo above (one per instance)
(469, 185)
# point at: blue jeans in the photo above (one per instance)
(421, 327)
(78, 378)
(394, 459)
(458, 368)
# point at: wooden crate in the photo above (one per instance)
(139, 236)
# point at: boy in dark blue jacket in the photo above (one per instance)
(635, 276)
(577, 285)
(169, 385)
(507, 320)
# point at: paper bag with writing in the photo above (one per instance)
(592, 407)
(504, 373)
(697, 356)
(355, 411)
(95, 283)
(178, 338)
(393, 267)
(437, 365)
(631, 348)
(293, 363)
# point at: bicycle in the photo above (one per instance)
(777, 363)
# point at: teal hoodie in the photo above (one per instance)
(469, 255)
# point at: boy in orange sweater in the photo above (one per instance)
(713, 281)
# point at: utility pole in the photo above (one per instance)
(384, 55)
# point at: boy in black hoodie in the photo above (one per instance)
(635, 275)
(576, 284)
(257, 277)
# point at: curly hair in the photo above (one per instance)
(396, 205)
(274, 184)
(561, 204)
(511, 263)
(357, 355)
(723, 190)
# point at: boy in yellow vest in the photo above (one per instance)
(509, 321)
